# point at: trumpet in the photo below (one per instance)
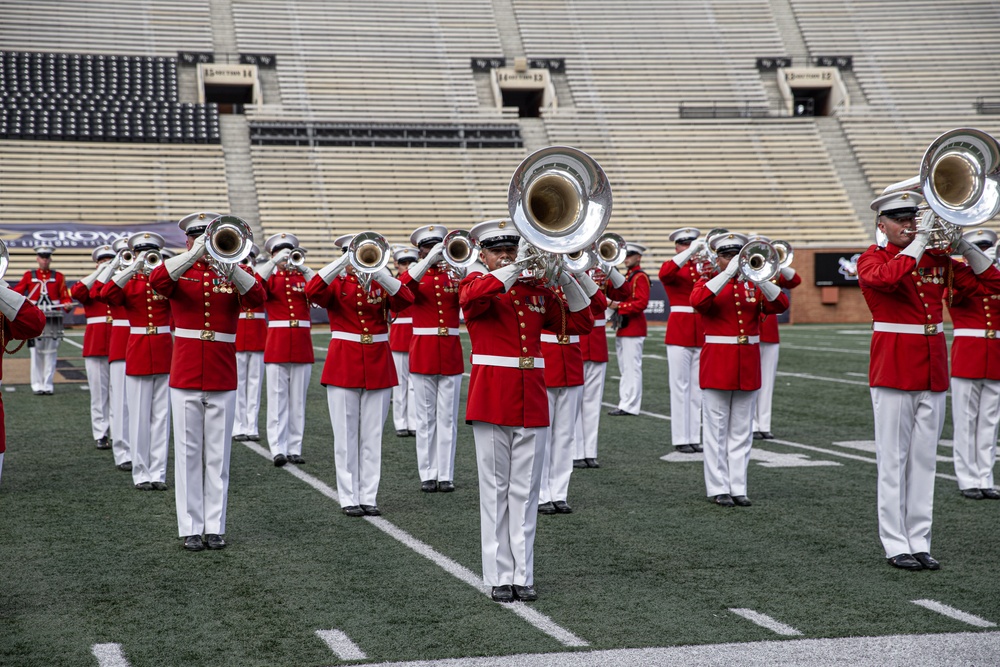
(785, 253)
(758, 261)
(127, 257)
(460, 251)
(611, 249)
(228, 239)
(368, 253)
(706, 261)
(4, 259)
(150, 260)
(297, 257)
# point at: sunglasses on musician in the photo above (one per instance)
(901, 214)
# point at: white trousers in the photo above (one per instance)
(685, 394)
(975, 412)
(404, 405)
(118, 412)
(727, 437)
(43, 363)
(357, 416)
(509, 459)
(907, 428)
(148, 426)
(287, 386)
(437, 399)
(99, 381)
(768, 373)
(203, 430)
(1, 464)
(249, 373)
(557, 460)
(588, 419)
(629, 350)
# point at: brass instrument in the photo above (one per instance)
(611, 249)
(127, 257)
(785, 253)
(150, 260)
(460, 251)
(4, 259)
(706, 261)
(297, 257)
(228, 239)
(758, 261)
(368, 253)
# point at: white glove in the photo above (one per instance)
(418, 270)
(718, 282)
(178, 264)
(508, 275)
(525, 251)
(108, 268)
(281, 256)
(265, 269)
(587, 283)
(122, 277)
(576, 299)
(243, 280)
(771, 290)
(92, 278)
(333, 269)
(615, 278)
(307, 272)
(921, 239)
(976, 258)
(385, 279)
(787, 273)
(10, 302)
(681, 258)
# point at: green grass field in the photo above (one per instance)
(644, 561)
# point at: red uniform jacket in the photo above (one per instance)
(633, 297)
(509, 324)
(202, 300)
(251, 330)
(683, 329)
(400, 330)
(28, 323)
(976, 357)
(36, 283)
(897, 290)
(769, 325)
(352, 311)
(146, 353)
(435, 307)
(118, 338)
(287, 303)
(733, 312)
(97, 335)
(594, 345)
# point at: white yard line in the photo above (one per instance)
(462, 573)
(341, 645)
(956, 614)
(846, 456)
(73, 343)
(838, 350)
(809, 376)
(766, 621)
(641, 412)
(109, 655)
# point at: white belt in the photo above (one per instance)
(733, 340)
(285, 324)
(561, 340)
(403, 320)
(365, 339)
(919, 329)
(681, 309)
(120, 323)
(434, 331)
(524, 363)
(150, 330)
(205, 334)
(600, 323)
(251, 316)
(101, 320)
(976, 333)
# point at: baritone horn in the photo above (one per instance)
(228, 239)
(758, 261)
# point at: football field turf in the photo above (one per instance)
(94, 573)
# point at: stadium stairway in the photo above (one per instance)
(239, 172)
(846, 164)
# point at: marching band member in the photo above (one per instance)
(730, 305)
(288, 352)
(684, 339)
(630, 301)
(507, 403)
(904, 287)
(594, 348)
(117, 342)
(19, 320)
(147, 362)
(251, 334)
(358, 373)
(96, 338)
(975, 383)
(436, 359)
(45, 288)
(205, 300)
(404, 405)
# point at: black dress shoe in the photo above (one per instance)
(430, 486)
(125, 467)
(592, 463)
(546, 508)
(992, 494)
(280, 460)
(525, 593)
(371, 510)
(213, 541)
(104, 443)
(757, 435)
(159, 486)
(412, 434)
(905, 562)
(240, 438)
(928, 561)
(253, 438)
(39, 393)
(724, 499)
(579, 463)
(353, 510)
(685, 449)
(502, 593)
(446, 486)
(742, 501)
(618, 412)
(296, 459)
(144, 486)
(767, 435)
(562, 507)
(973, 494)
(402, 433)
(194, 543)
(697, 448)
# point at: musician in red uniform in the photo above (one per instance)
(975, 383)
(730, 306)
(404, 405)
(594, 348)
(358, 373)
(507, 403)
(684, 338)
(147, 361)
(19, 320)
(251, 334)
(630, 301)
(96, 339)
(117, 342)
(787, 278)
(904, 287)
(288, 352)
(46, 289)
(436, 359)
(206, 299)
